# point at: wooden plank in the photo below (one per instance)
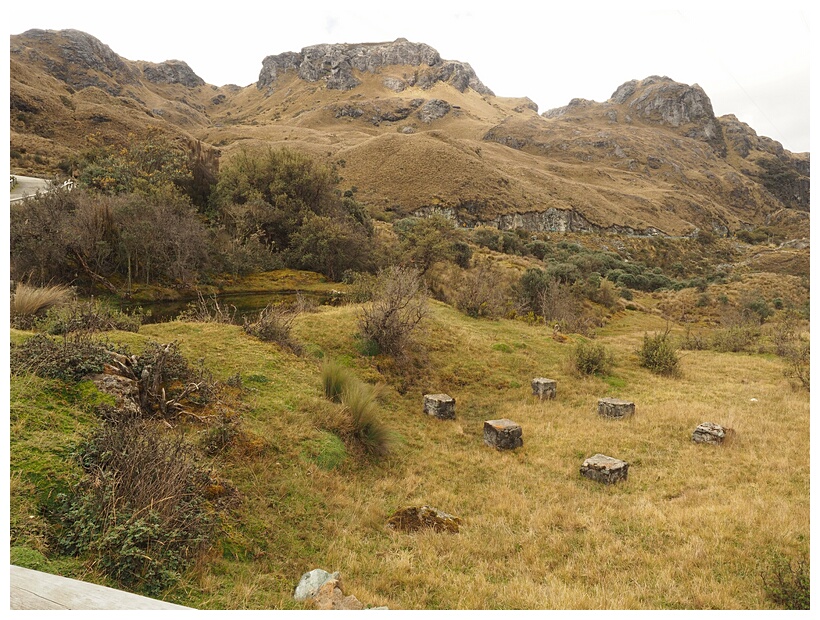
(31, 589)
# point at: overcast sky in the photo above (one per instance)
(753, 64)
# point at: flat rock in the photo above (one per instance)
(414, 518)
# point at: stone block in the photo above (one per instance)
(615, 408)
(502, 434)
(440, 406)
(604, 469)
(543, 388)
(709, 432)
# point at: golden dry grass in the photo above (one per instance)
(688, 529)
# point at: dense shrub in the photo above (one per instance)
(659, 354)
(590, 358)
(69, 359)
(139, 514)
(89, 316)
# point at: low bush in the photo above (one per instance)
(138, 514)
(90, 316)
(589, 358)
(273, 324)
(787, 582)
(70, 359)
(659, 354)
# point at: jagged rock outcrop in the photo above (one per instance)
(172, 72)
(784, 174)
(336, 64)
(662, 100)
(80, 59)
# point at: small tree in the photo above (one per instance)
(397, 311)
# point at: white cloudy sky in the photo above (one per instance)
(751, 63)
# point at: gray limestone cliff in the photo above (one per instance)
(337, 64)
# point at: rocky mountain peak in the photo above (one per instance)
(662, 100)
(172, 72)
(77, 58)
(335, 64)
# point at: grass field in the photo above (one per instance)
(693, 527)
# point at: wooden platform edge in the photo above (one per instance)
(31, 589)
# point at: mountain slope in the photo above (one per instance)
(414, 133)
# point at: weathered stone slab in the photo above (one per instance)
(709, 432)
(543, 388)
(604, 469)
(502, 434)
(615, 408)
(311, 581)
(440, 406)
(414, 518)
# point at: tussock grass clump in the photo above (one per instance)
(589, 358)
(659, 354)
(335, 380)
(359, 418)
(359, 399)
(28, 302)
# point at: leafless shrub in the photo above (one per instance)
(273, 324)
(484, 292)
(208, 311)
(394, 317)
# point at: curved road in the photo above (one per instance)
(28, 186)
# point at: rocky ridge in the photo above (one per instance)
(336, 65)
(417, 134)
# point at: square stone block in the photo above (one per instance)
(543, 388)
(440, 406)
(605, 469)
(615, 408)
(502, 434)
(709, 432)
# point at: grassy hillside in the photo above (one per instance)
(694, 526)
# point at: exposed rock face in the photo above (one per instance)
(414, 518)
(172, 72)
(82, 57)
(335, 65)
(784, 174)
(433, 110)
(665, 101)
